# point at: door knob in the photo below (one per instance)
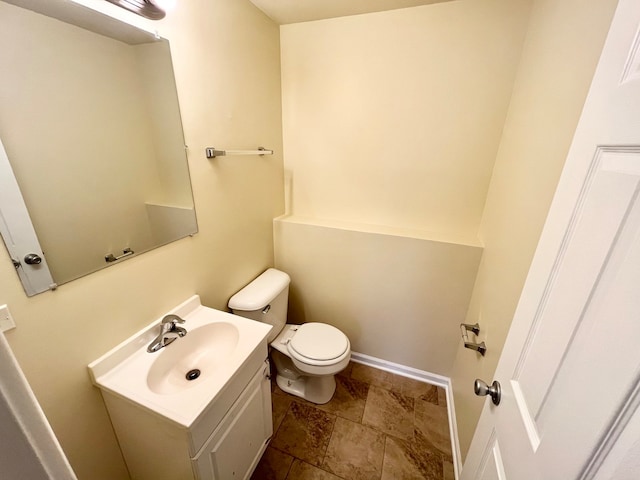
(481, 389)
(32, 259)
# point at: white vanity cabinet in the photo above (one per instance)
(224, 443)
(200, 408)
(236, 445)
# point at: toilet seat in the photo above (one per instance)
(318, 344)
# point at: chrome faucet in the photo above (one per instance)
(169, 331)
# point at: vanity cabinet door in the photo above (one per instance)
(236, 445)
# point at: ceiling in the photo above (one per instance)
(294, 11)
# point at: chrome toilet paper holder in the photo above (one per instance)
(481, 348)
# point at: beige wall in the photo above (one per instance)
(394, 118)
(562, 47)
(391, 124)
(397, 298)
(226, 58)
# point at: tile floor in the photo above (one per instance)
(377, 426)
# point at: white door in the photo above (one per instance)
(29, 450)
(18, 233)
(570, 369)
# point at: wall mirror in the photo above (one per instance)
(91, 136)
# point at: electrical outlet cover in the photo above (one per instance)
(6, 320)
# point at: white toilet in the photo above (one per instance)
(306, 356)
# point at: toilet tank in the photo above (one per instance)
(264, 300)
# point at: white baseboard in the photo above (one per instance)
(427, 377)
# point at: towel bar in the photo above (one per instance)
(212, 152)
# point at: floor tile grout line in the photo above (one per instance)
(281, 421)
(384, 455)
(333, 428)
(320, 468)
(391, 386)
(290, 467)
(367, 425)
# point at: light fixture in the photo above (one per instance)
(166, 5)
(151, 9)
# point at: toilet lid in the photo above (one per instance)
(319, 341)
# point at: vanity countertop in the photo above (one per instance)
(156, 381)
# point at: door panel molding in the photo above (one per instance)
(631, 70)
(609, 439)
(491, 466)
(604, 201)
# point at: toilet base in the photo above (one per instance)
(318, 390)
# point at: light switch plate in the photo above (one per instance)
(6, 320)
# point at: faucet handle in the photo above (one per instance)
(171, 320)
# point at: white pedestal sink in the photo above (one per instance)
(209, 427)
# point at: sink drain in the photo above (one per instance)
(192, 374)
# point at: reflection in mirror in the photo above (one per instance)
(91, 126)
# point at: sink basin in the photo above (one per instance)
(216, 347)
(203, 350)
